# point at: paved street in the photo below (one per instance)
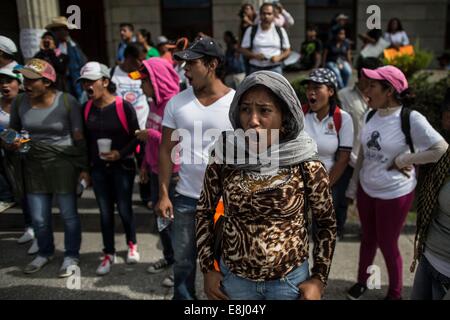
(132, 282)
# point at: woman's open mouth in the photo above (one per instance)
(90, 92)
(312, 101)
(5, 91)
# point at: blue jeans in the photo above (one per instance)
(185, 247)
(166, 234)
(429, 284)
(343, 75)
(277, 69)
(112, 185)
(238, 288)
(40, 205)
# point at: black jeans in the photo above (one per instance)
(113, 184)
(166, 234)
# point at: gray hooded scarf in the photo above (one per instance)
(295, 147)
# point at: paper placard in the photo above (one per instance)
(30, 40)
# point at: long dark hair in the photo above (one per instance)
(147, 35)
(406, 98)
(389, 27)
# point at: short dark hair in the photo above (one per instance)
(266, 4)
(312, 27)
(127, 25)
(220, 70)
(112, 88)
(133, 50)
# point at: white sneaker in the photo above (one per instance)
(34, 248)
(169, 281)
(37, 264)
(6, 205)
(105, 267)
(65, 271)
(27, 236)
(133, 256)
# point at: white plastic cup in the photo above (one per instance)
(104, 146)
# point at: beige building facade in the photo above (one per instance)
(424, 21)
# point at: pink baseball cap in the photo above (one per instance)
(391, 74)
(37, 69)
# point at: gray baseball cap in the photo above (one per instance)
(94, 71)
(7, 45)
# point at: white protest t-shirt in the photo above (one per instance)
(383, 141)
(4, 119)
(131, 91)
(267, 43)
(199, 127)
(325, 135)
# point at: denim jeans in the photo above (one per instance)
(343, 75)
(277, 69)
(238, 288)
(185, 247)
(113, 184)
(40, 205)
(340, 200)
(166, 234)
(429, 284)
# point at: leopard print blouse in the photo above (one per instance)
(265, 228)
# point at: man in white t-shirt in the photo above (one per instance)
(269, 46)
(193, 119)
(129, 89)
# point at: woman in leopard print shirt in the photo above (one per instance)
(265, 246)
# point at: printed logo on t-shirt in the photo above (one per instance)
(373, 143)
(331, 130)
(374, 152)
(130, 97)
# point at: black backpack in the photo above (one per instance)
(406, 125)
(253, 35)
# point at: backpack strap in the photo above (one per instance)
(119, 110)
(337, 119)
(252, 36)
(305, 109)
(66, 102)
(87, 110)
(370, 115)
(121, 113)
(280, 34)
(406, 127)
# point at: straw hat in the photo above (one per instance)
(59, 22)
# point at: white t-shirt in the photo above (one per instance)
(382, 141)
(398, 38)
(199, 127)
(325, 135)
(267, 43)
(355, 104)
(130, 90)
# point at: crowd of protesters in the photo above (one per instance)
(81, 124)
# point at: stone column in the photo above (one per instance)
(36, 14)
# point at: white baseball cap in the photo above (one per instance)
(94, 71)
(7, 45)
(9, 72)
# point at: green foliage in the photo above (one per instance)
(411, 64)
(300, 89)
(429, 96)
